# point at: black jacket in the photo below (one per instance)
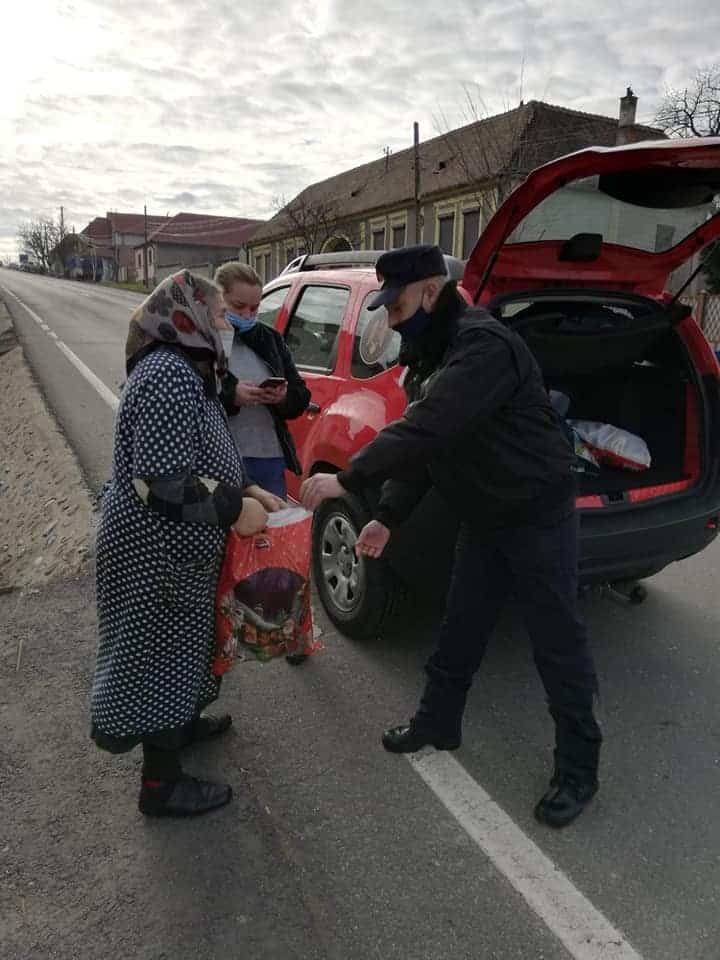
(481, 428)
(270, 346)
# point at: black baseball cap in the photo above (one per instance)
(398, 268)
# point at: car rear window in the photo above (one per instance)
(586, 206)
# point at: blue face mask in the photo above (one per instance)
(243, 324)
(415, 325)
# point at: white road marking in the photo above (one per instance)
(108, 396)
(112, 400)
(584, 932)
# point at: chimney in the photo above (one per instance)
(626, 119)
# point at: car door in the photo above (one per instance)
(313, 335)
(606, 218)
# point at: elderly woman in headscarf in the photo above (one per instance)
(177, 488)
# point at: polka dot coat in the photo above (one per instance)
(156, 577)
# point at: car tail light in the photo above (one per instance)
(589, 503)
(663, 490)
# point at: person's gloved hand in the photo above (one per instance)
(373, 539)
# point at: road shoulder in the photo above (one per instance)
(46, 515)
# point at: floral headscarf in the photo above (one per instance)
(176, 313)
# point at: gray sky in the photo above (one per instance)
(222, 106)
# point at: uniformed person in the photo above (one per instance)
(484, 433)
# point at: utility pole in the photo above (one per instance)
(62, 222)
(416, 164)
(145, 258)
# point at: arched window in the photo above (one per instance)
(337, 244)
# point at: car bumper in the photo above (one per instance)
(642, 551)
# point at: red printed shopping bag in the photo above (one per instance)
(262, 606)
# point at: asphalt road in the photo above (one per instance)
(92, 321)
(345, 848)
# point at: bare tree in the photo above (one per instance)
(40, 237)
(490, 150)
(313, 220)
(693, 111)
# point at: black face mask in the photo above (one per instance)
(415, 326)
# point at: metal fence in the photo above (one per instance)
(706, 310)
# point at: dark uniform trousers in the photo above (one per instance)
(538, 566)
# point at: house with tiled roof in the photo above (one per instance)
(198, 241)
(442, 192)
(126, 231)
(93, 252)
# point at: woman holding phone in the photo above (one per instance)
(263, 388)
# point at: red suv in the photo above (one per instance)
(577, 261)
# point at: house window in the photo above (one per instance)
(139, 260)
(378, 239)
(313, 331)
(446, 233)
(398, 236)
(259, 267)
(271, 305)
(150, 255)
(267, 267)
(471, 231)
(375, 345)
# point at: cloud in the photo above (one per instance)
(222, 107)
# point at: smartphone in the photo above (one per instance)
(273, 382)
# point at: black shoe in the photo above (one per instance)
(411, 738)
(187, 797)
(295, 659)
(565, 800)
(207, 728)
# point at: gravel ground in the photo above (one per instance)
(46, 513)
(82, 874)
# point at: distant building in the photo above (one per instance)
(462, 176)
(195, 240)
(111, 241)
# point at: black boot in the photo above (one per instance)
(186, 797)
(414, 736)
(207, 728)
(565, 800)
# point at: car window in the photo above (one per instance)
(271, 305)
(314, 327)
(597, 205)
(376, 346)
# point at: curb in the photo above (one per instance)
(8, 339)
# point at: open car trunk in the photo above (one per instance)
(620, 362)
